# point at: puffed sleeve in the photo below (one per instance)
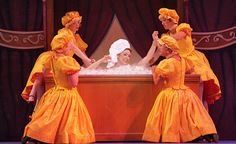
(69, 65)
(36, 73)
(39, 65)
(164, 68)
(185, 28)
(80, 43)
(47, 68)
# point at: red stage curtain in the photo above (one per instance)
(16, 64)
(139, 19)
(97, 18)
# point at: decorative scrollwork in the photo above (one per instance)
(32, 40)
(22, 40)
(204, 38)
(214, 40)
(9, 38)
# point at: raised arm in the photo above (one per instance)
(153, 53)
(81, 54)
(96, 64)
(145, 61)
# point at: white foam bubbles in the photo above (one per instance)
(121, 70)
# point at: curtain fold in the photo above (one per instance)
(97, 18)
(16, 65)
(215, 15)
(139, 19)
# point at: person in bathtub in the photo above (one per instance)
(120, 53)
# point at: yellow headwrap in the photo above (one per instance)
(166, 13)
(69, 17)
(60, 41)
(169, 42)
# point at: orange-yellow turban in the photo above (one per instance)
(166, 13)
(70, 17)
(169, 42)
(60, 41)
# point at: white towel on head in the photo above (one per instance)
(116, 48)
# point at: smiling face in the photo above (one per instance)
(74, 27)
(165, 51)
(167, 23)
(124, 57)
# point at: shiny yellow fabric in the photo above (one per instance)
(77, 39)
(69, 16)
(61, 41)
(36, 72)
(61, 115)
(212, 90)
(186, 44)
(169, 42)
(166, 13)
(177, 114)
(37, 69)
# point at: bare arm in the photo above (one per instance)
(95, 65)
(156, 54)
(35, 88)
(145, 61)
(80, 54)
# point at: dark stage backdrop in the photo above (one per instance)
(138, 18)
(215, 15)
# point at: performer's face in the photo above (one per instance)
(124, 57)
(67, 50)
(76, 25)
(167, 23)
(164, 51)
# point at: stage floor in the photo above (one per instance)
(222, 141)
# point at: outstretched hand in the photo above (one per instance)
(155, 35)
(92, 60)
(155, 38)
(106, 59)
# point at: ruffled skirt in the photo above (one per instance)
(36, 71)
(61, 117)
(177, 116)
(211, 91)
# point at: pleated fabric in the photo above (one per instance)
(177, 115)
(61, 115)
(198, 60)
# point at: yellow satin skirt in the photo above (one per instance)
(36, 71)
(177, 116)
(211, 91)
(61, 117)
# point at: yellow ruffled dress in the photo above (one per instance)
(37, 69)
(76, 37)
(178, 115)
(61, 115)
(211, 91)
(35, 73)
